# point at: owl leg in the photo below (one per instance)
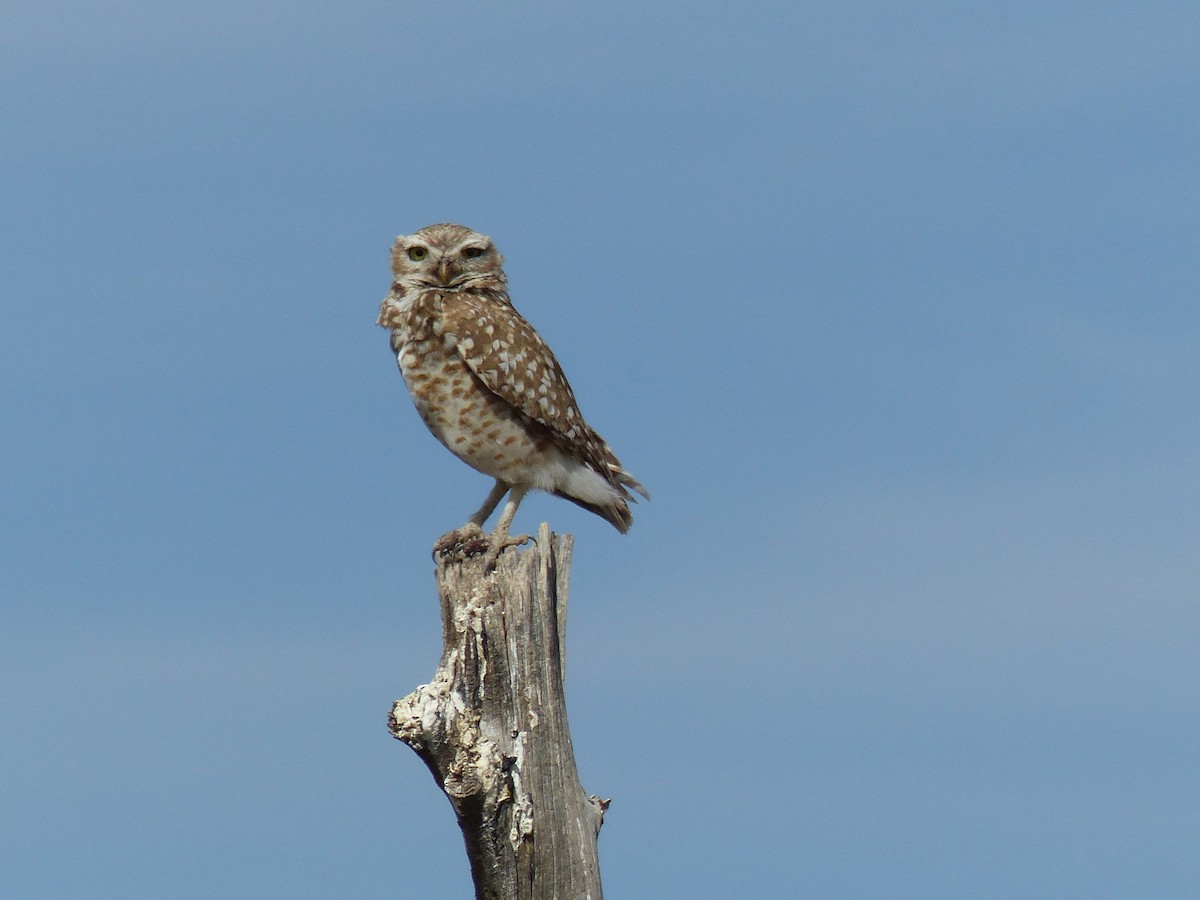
(473, 531)
(500, 539)
(489, 505)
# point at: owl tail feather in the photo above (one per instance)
(627, 480)
(616, 512)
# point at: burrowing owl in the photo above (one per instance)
(487, 385)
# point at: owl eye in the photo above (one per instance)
(473, 252)
(416, 254)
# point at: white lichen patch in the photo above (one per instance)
(521, 827)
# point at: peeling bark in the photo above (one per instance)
(492, 725)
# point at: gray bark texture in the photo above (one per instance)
(492, 725)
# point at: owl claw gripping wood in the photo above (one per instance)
(487, 385)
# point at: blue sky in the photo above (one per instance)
(893, 308)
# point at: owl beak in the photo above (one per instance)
(444, 273)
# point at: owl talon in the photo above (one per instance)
(500, 543)
(468, 540)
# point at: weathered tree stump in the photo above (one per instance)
(492, 725)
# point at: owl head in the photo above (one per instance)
(446, 257)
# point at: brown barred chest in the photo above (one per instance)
(475, 424)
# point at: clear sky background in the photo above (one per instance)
(892, 307)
